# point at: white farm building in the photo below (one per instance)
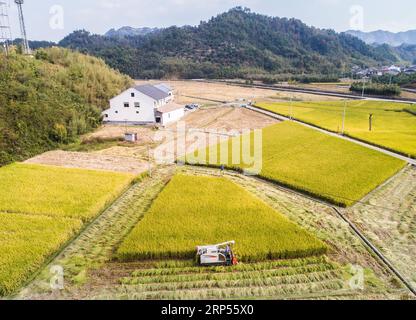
(144, 104)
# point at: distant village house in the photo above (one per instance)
(381, 71)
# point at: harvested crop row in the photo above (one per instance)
(173, 267)
(183, 217)
(259, 281)
(228, 276)
(285, 290)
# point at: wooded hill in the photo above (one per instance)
(237, 43)
(51, 99)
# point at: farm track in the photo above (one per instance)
(205, 99)
(95, 245)
(276, 279)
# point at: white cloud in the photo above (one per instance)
(109, 4)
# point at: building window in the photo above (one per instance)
(132, 94)
(116, 111)
(137, 104)
(137, 112)
(106, 116)
(126, 104)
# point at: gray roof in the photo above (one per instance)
(164, 87)
(152, 91)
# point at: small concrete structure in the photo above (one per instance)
(130, 137)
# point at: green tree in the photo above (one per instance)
(59, 133)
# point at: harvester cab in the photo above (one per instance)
(216, 255)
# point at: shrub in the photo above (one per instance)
(376, 89)
(59, 133)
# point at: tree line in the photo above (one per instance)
(235, 44)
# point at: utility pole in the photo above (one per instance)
(291, 107)
(363, 87)
(5, 30)
(370, 122)
(25, 42)
(343, 117)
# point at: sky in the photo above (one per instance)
(54, 19)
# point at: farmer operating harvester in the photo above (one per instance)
(217, 255)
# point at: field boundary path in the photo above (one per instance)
(205, 99)
(96, 244)
(333, 134)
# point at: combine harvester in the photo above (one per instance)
(216, 255)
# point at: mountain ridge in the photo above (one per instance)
(386, 37)
(237, 43)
